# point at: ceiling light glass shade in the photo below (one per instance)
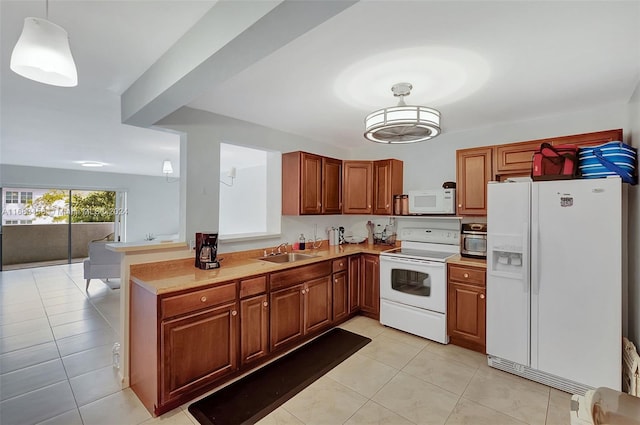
(42, 54)
(402, 124)
(166, 167)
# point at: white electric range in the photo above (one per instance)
(413, 281)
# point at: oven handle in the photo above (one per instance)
(409, 261)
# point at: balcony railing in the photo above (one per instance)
(34, 243)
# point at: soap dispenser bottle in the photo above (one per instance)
(301, 242)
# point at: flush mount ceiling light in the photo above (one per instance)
(403, 123)
(42, 53)
(91, 163)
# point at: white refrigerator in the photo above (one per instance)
(554, 281)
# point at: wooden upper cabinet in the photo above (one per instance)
(474, 171)
(311, 184)
(514, 159)
(387, 176)
(357, 177)
(331, 186)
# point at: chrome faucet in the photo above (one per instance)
(283, 244)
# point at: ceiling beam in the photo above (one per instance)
(229, 38)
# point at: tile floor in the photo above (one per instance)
(56, 368)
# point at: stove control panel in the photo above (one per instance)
(442, 236)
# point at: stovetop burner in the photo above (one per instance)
(430, 244)
(421, 254)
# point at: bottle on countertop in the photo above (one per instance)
(301, 242)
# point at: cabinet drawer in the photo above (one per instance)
(300, 274)
(253, 286)
(340, 264)
(467, 275)
(197, 300)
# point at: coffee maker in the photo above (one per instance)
(206, 251)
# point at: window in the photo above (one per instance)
(26, 221)
(26, 197)
(11, 222)
(250, 192)
(11, 198)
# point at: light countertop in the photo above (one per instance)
(465, 261)
(177, 275)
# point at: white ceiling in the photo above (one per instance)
(541, 58)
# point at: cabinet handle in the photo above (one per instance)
(387, 206)
(341, 264)
(303, 291)
(369, 206)
(335, 280)
(482, 296)
(203, 299)
(265, 303)
(233, 313)
(466, 275)
(459, 205)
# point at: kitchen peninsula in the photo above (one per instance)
(192, 330)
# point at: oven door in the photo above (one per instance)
(418, 283)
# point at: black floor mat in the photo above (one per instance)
(256, 395)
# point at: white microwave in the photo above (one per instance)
(432, 201)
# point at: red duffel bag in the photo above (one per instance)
(555, 162)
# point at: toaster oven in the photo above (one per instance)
(473, 240)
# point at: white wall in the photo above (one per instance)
(634, 226)
(153, 204)
(204, 133)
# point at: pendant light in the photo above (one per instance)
(42, 53)
(402, 123)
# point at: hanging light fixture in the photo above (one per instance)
(402, 123)
(42, 53)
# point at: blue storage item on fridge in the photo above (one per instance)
(610, 159)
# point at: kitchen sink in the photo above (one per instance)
(287, 258)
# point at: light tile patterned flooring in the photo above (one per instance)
(56, 368)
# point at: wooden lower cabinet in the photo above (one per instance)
(287, 316)
(340, 296)
(354, 283)
(317, 304)
(215, 334)
(299, 310)
(370, 285)
(187, 342)
(467, 306)
(254, 328)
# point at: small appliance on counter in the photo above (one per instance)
(207, 251)
(473, 240)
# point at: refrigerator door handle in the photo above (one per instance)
(526, 279)
(535, 269)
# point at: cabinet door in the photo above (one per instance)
(340, 296)
(254, 328)
(354, 283)
(387, 182)
(197, 349)
(358, 187)
(474, 171)
(287, 320)
(332, 186)
(311, 184)
(317, 303)
(466, 320)
(370, 285)
(514, 158)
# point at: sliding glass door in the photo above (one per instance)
(53, 226)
